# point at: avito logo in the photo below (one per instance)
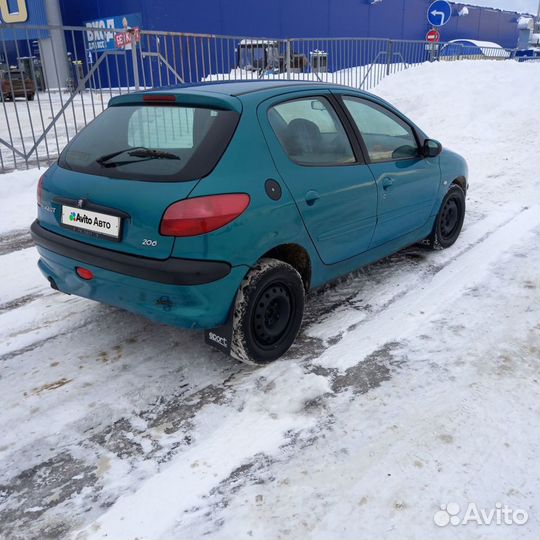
(83, 218)
(450, 514)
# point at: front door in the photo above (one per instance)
(320, 161)
(407, 183)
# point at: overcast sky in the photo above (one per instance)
(528, 6)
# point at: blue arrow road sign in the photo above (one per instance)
(439, 13)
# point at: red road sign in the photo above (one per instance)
(124, 40)
(433, 36)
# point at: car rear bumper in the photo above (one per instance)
(172, 271)
(199, 304)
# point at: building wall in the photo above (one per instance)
(399, 19)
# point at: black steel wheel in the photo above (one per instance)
(273, 309)
(449, 220)
(268, 312)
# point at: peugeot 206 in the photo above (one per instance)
(218, 206)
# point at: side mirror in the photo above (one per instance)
(431, 148)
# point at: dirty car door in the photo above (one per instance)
(322, 165)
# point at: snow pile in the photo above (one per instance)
(489, 112)
(18, 196)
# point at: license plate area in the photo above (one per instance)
(97, 224)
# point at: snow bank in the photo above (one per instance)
(488, 111)
(18, 196)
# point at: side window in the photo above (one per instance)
(386, 136)
(310, 132)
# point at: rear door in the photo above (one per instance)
(321, 163)
(407, 183)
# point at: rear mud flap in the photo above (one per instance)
(221, 337)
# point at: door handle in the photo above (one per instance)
(387, 183)
(311, 197)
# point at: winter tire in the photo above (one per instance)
(268, 312)
(449, 220)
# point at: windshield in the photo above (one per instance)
(161, 143)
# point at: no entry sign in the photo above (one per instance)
(433, 36)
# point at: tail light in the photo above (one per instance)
(202, 215)
(159, 98)
(84, 273)
(40, 190)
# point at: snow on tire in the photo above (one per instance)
(268, 312)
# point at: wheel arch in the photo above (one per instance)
(460, 181)
(295, 255)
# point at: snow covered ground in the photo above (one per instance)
(414, 383)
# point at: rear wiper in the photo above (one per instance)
(138, 151)
(106, 157)
(149, 153)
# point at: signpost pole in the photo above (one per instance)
(389, 55)
(288, 58)
(135, 63)
(432, 39)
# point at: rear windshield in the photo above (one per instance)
(155, 143)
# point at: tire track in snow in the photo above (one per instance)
(403, 315)
(19, 302)
(370, 301)
(168, 408)
(15, 241)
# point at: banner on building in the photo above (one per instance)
(103, 38)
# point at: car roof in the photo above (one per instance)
(231, 95)
(241, 87)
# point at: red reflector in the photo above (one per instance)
(159, 98)
(40, 190)
(202, 215)
(84, 273)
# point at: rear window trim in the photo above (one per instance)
(185, 174)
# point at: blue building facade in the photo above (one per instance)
(278, 19)
(396, 19)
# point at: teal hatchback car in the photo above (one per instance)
(218, 206)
